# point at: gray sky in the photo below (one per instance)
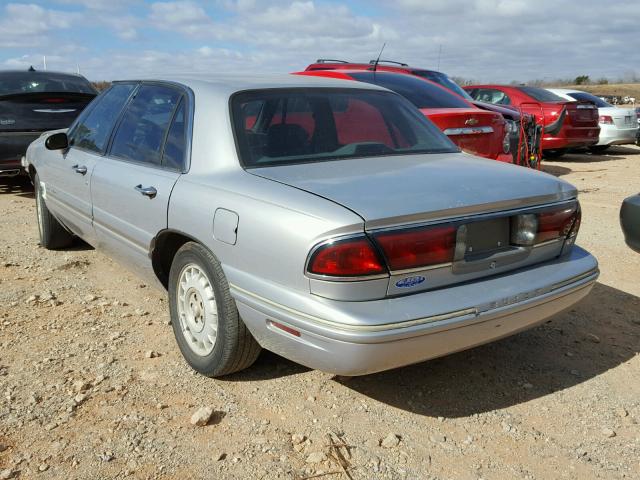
(484, 40)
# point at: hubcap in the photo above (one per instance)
(197, 310)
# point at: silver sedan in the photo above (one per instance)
(330, 223)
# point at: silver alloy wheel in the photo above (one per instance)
(197, 309)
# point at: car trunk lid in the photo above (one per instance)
(408, 189)
(473, 130)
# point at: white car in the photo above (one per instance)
(618, 126)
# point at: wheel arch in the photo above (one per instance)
(163, 249)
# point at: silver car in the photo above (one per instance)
(326, 221)
(618, 126)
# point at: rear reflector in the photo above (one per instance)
(290, 330)
(558, 223)
(418, 248)
(353, 257)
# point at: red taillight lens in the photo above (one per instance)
(606, 119)
(346, 258)
(558, 223)
(418, 248)
(53, 100)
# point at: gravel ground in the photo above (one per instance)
(93, 387)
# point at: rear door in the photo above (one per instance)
(67, 176)
(131, 187)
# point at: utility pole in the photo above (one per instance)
(44, 61)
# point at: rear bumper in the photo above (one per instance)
(13, 146)
(357, 338)
(612, 135)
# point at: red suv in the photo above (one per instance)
(474, 130)
(566, 124)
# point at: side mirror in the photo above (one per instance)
(57, 141)
(630, 221)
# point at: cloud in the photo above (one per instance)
(187, 18)
(26, 25)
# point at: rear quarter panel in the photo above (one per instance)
(277, 226)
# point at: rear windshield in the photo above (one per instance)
(422, 94)
(587, 97)
(29, 82)
(281, 127)
(541, 95)
(442, 79)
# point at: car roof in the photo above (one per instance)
(41, 73)
(230, 84)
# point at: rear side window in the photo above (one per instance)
(173, 155)
(422, 94)
(93, 130)
(541, 95)
(276, 127)
(141, 133)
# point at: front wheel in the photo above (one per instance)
(211, 335)
(52, 234)
(557, 153)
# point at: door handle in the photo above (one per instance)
(81, 169)
(146, 191)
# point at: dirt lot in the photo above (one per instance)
(93, 386)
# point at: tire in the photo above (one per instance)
(554, 153)
(598, 148)
(197, 287)
(52, 234)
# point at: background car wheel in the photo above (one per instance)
(598, 148)
(554, 153)
(212, 338)
(52, 234)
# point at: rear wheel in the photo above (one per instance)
(52, 234)
(557, 153)
(211, 335)
(598, 148)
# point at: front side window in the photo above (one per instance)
(491, 95)
(141, 133)
(275, 127)
(92, 131)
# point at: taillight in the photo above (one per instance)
(557, 223)
(606, 119)
(352, 257)
(53, 100)
(418, 248)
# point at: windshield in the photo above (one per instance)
(587, 97)
(12, 83)
(281, 127)
(442, 79)
(422, 94)
(541, 95)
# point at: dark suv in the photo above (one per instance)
(32, 102)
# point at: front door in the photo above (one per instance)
(68, 192)
(132, 185)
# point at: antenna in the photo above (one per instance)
(375, 65)
(439, 54)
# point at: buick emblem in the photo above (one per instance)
(471, 121)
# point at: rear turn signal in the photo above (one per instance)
(421, 247)
(606, 120)
(560, 222)
(354, 257)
